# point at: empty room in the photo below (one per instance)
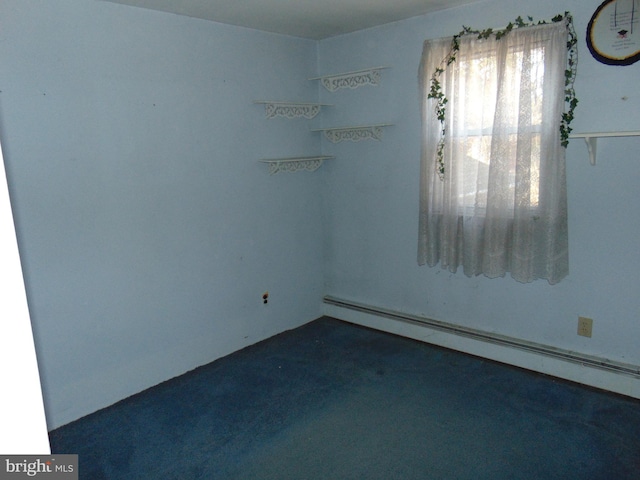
(309, 239)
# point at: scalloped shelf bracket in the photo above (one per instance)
(358, 78)
(294, 164)
(291, 109)
(354, 134)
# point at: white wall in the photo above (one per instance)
(148, 229)
(372, 195)
(22, 416)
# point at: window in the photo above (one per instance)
(500, 204)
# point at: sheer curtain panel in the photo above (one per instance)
(500, 206)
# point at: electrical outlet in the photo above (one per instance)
(585, 325)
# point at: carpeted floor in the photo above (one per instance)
(331, 400)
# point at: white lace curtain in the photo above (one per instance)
(500, 205)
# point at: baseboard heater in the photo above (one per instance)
(587, 360)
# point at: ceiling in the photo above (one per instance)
(315, 19)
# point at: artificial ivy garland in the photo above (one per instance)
(570, 75)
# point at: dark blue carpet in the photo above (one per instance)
(331, 400)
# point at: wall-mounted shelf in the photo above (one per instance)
(332, 83)
(353, 134)
(591, 140)
(355, 79)
(291, 109)
(294, 164)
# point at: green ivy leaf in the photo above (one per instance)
(570, 73)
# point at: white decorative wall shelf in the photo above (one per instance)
(354, 134)
(294, 164)
(591, 140)
(358, 78)
(291, 109)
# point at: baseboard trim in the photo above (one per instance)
(590, 370)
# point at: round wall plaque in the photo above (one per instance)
(613, 33)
